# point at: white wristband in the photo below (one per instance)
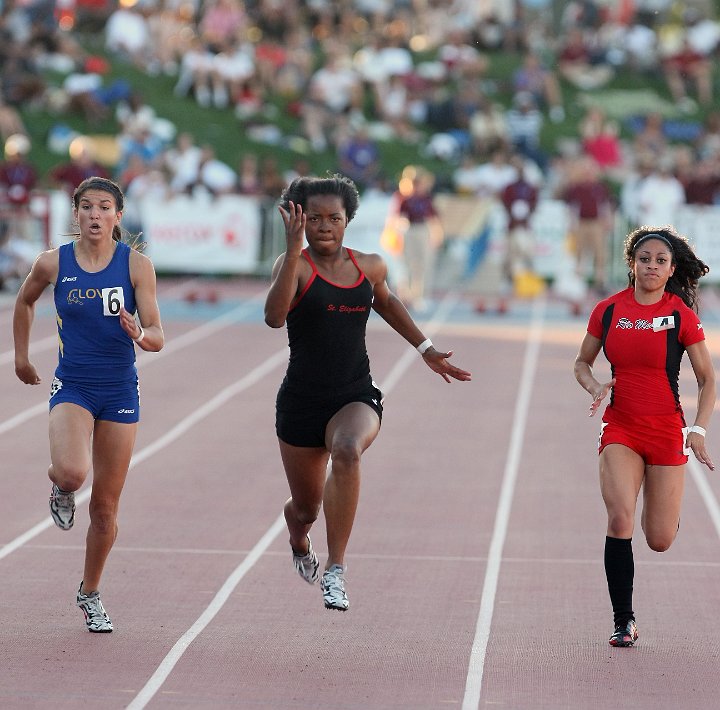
(424, 346)
(141, 336)
(697, 430)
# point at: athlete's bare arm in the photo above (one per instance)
(144, 281)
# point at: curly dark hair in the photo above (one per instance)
(300, 189)
(689, 269)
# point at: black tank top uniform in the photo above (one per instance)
(329, 365)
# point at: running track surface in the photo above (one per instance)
(475, 566)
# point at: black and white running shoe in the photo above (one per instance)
(96, 618)
(333, 588)
(62, 508)
(307, 565)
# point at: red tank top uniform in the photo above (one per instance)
(644, 345)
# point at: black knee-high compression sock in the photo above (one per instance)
(620, 571)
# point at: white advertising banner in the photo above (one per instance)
(203, 236)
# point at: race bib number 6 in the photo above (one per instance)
(113, 300)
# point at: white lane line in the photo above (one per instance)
(144, 358)
(476, 666)
(166, 439)
(166, 666)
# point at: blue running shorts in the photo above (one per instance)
(112, 402)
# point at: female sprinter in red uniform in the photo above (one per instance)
(328, 405)
(644, 441)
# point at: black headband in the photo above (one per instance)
(653, 235)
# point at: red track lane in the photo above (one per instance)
(196, 506)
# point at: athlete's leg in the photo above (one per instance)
(662, 499)
(112, 449)
(621, 475)
(305, 469)
(70, 430)
(349, 433)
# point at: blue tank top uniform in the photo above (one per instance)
(95, 353)
(329, 365)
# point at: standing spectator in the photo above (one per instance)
(591, 214)
(17, 179)
(422, 233)
(520, 200)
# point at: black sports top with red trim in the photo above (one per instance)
(644, 345)
(326, 333)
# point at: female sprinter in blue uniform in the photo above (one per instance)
(328, 405)
(644, 331)
(99, 284)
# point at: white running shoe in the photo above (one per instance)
(307, 565)
(333, 588)
(96, 618)
(62, 508)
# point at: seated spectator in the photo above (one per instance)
(127, 35)
(392, 106)
(214, 177)
(708, 143)
(182, 163)
(524, 123)
(640, 45)
(488, 129)
(272, 181)
(195, 73)
(651, 139)
(580, 66)
(171, 33)
(20, 79)
(660, 195)
(248, 175)
(232, 68)
(11, 122)
(460, 57)
(222, 24)
(703, 185)
(600, 140)
(359, 157)
(81, 166)
(335, 91)
(542, 83)
(687, 65)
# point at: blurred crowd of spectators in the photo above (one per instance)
(357, 73)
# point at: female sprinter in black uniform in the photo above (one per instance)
(328, 406)
(644, 331)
